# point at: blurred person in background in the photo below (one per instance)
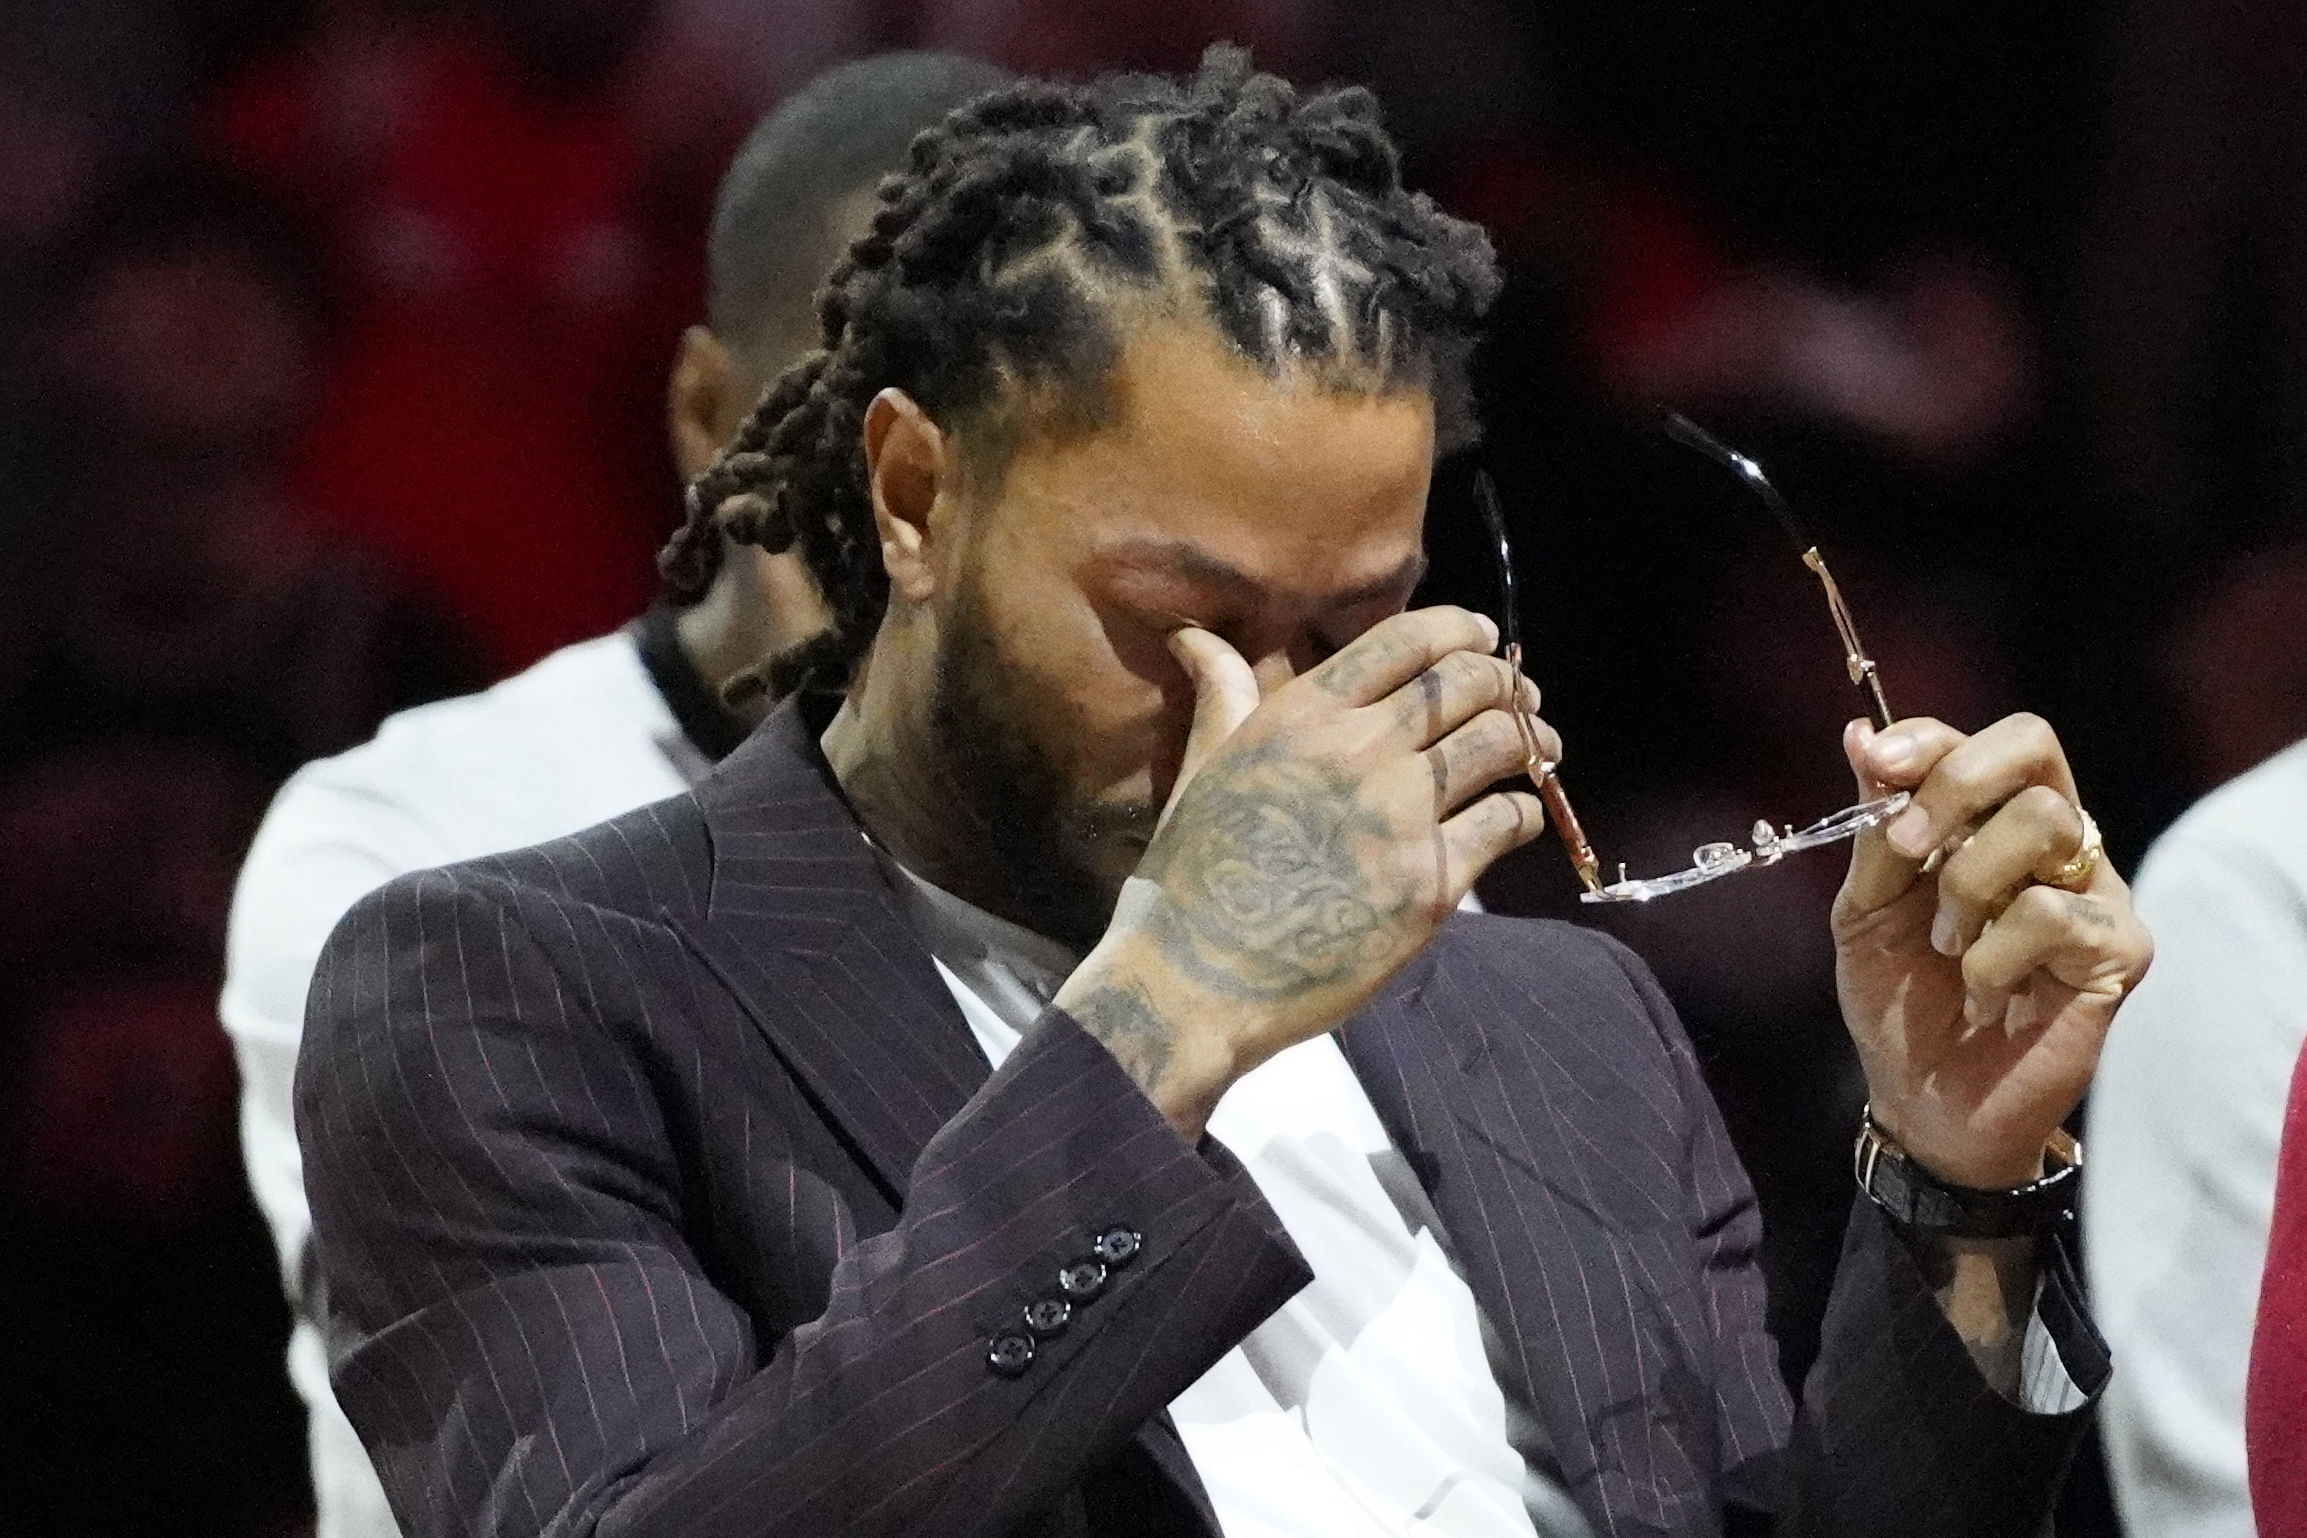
(184, 638)
(2185, 1122)
(84, 86)
(597, 728)
(183, 583)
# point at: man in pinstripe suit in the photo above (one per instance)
(1039, 1083)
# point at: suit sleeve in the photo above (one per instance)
(529, 1343)
(1897, 1432)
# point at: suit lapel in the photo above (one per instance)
(1563, 1251)
(804, 932)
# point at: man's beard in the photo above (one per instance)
(1041, 844)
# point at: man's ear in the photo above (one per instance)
(705, 400)
(907, 468)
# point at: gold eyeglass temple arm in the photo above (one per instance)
(1582, 856)
(1556, 799)
(1862, 669)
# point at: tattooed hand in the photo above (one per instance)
(1315, 840)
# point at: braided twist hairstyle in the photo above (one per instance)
(1005, 262)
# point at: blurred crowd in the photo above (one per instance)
(338, 333)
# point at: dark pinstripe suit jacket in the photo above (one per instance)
(659, 1188)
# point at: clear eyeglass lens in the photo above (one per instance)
(1847, 823)
(1711, 862)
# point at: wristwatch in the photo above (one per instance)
(1920, 1202)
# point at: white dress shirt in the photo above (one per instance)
(579, 738)
(1367, 1407)
(2185, 1117)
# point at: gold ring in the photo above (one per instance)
(2077, 873)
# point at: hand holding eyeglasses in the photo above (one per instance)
(1982, 942)
(1713, 861)
(1981, 945)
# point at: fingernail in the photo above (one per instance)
(1910, 833)
(1489, 628)
(1892, 750)
(1975, 1011)
(1943, 932)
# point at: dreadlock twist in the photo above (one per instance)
(1005, 259)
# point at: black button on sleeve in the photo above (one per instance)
(1010, 1355)
(1082, 1281)
(1118, 1246)
(1047, 1316)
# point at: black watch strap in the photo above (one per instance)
(1920, 1202)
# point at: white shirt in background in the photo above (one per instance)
(2185, 1117)
(579, 738)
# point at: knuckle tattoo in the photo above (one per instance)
(2086, 914)
(1432, 693)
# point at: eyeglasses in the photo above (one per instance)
(1766, 844)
